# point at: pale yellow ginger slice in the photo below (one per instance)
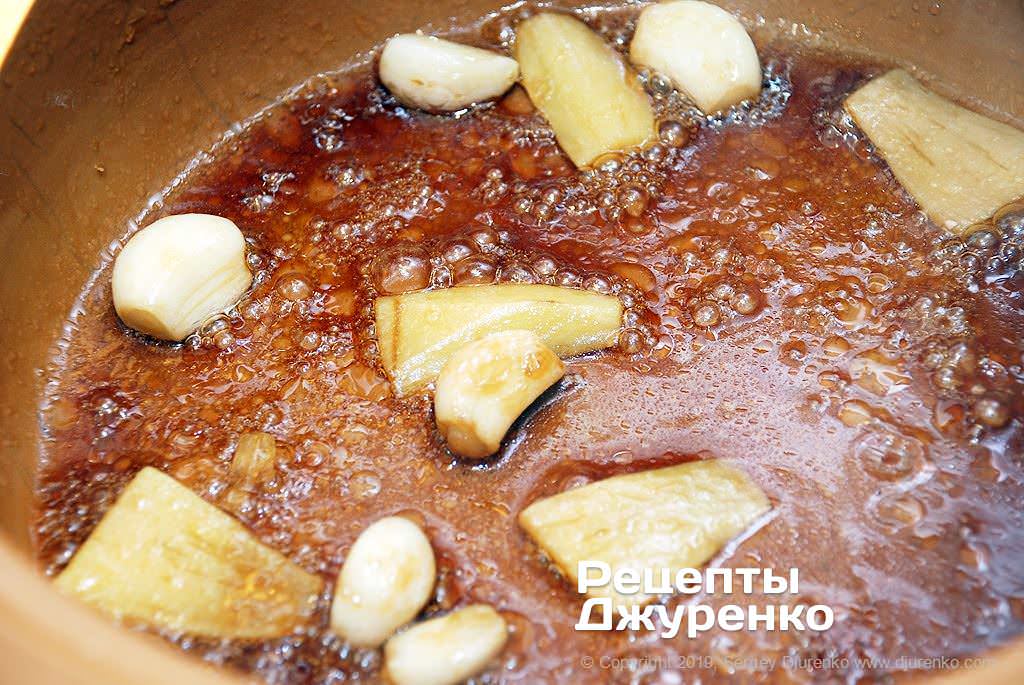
(165, 556)
(668, 518)
(253, 462)
(583, 87)
(960, 166)
(252, 468)
(417, 333)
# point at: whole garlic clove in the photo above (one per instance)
(441, 76)
(446, 650)
(177, 272)
(487, 384)
(385, 581)
(703, 49)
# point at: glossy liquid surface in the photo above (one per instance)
(788, 309)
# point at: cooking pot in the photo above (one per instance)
(104, 101)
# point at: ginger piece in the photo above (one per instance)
(165, 556)
(668, 518)
(960, 166)
(583, 88)
(419, 332)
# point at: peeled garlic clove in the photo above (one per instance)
(177, 272)
(385, 581)
(583, 87)
(441, 76)
(487, 384)
(703, 49)
(446, 650)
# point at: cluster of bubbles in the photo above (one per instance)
(403, 190)
(215, 333)
(272, 181)
(345, 175)
(72, 506)
(990, 252)
(671, 104)
(823, 307)
(714, 305)
(833, 125)
(835, 128)
(493, 187)
(938, 313)
(619, 187)
(223, 331)
(475, 258)
(292, 299)
(309, 654)
(958, 366)
(958, 370)
(329, 129)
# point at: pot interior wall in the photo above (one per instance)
(105, 101)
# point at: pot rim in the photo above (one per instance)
(49, 638)
(39, 624)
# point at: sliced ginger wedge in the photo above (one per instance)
(582, 87)
(669, 518)
(960, 166)
(419, 332)
(165, 556)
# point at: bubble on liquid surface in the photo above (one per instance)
(294, 287)
(992, 412)
(898, 511)
(706, 314)
(889, 455)
(746, 301)
(364, 484)
(673, 133)
(401, 269)
(457, 250)
(475, 270)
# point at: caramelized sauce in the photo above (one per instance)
(788, 308)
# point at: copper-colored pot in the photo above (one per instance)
(104, 101)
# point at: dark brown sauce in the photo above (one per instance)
(789, 309)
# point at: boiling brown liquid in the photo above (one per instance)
(788, 309)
